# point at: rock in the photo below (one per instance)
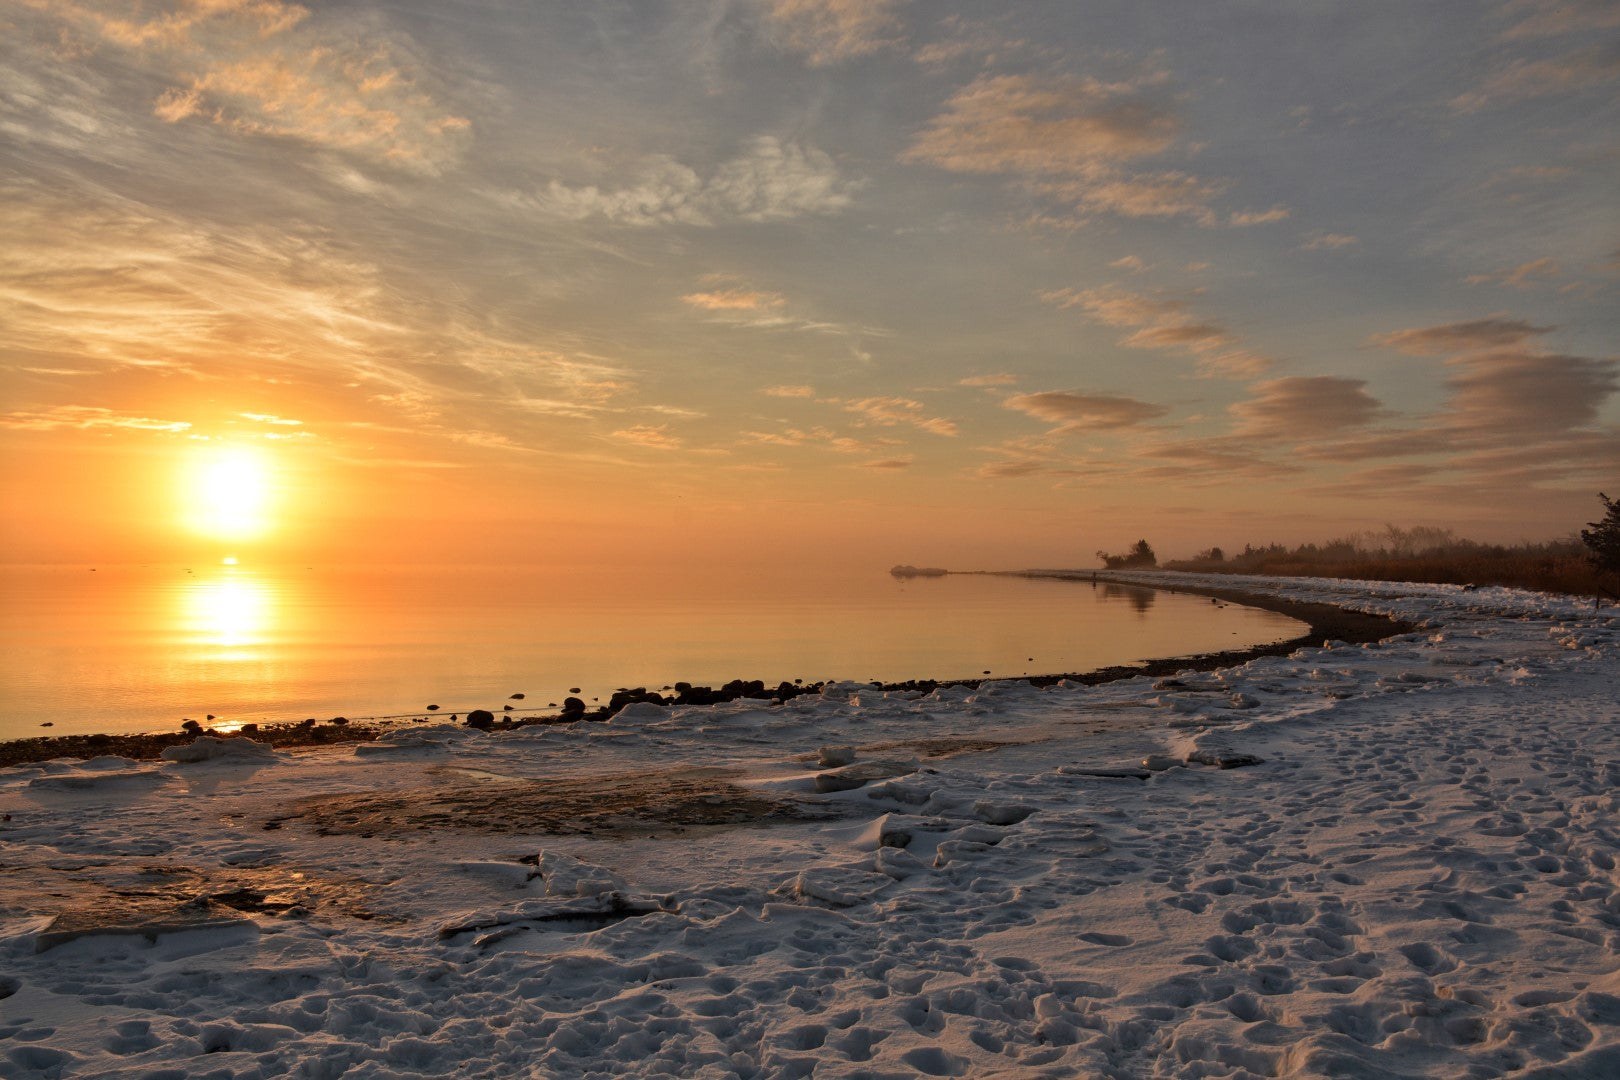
(482, 719)
(832, 757)
(432, 708)
(517, 697)
(851, 777)
(1223, 759)
(573, 706)
(574, 690)
(1161, 762)
(1105, 774)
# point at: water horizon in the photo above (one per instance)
(140, 648)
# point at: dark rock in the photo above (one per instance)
(1223, 759)
(340, 721)
(517, 697)
(191, 726)
(48, 723)
(572, 705)
(574, 690)
(249, 729)
(482, 719)
(432, 708)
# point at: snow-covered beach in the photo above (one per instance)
(1418, 878)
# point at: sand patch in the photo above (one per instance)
(639, 804)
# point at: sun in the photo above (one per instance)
(227, 493)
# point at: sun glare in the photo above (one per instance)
(228, 494)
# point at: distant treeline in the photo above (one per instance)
(1419, 554)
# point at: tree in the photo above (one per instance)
(1213, 554)
(1140, 556)
(1603, 538)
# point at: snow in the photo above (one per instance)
(1419, 878)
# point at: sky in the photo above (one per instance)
(742, 281)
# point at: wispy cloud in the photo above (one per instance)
(650, 436)
(1163, 323)
(999, 378)
(1073, 411)
(1071, 140)
(733, 300)
(1523, 276)
(1475, 334)
(1326, 241)
(270, 69)
(795, 391)
(827, 31)
(88, 418)
(771, 180)
(890, 411)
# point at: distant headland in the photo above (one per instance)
(917, 571)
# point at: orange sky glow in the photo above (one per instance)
(706, 284)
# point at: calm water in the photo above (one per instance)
(123, 649)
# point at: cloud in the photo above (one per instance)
(890, 411)
(1070, 140)
(1516, 396)
(1073, 411)
(1000, 378)
(1552, 18)
(1302, 406)
(1490, 333)
(827, 31)
(1258, 217)
(655, 438)
(888, 463)
(264, 68)
(770, 181)
(789, 391)
(1164, 324)
(733, 300)
(1062, 127)
(1133, 263)
(1569, 72)
(1522, 276)
(88, 418)
(1328, 242)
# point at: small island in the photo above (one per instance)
(904, 571)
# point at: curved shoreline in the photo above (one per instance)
(1325, 622)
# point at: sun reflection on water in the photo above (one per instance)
(229, 616)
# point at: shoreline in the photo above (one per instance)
(1324, 622)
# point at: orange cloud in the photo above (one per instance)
(655, 438)
(265, 68)
(890, 411)
(827, 31)
(733, 300)
(1163, 324)
(789, 391)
